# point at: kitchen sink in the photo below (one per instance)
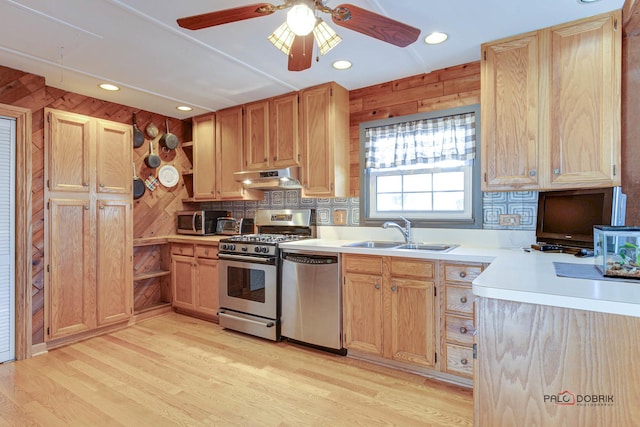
(434, 247)
(375, 244)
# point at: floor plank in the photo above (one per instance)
(174, 370)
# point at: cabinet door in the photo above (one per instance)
(229, 140)
(256, 135)
(510, 134)
(318, 167)
(114, 266)
(584, 94)
(206, 292)
(113, 158)
(285, 134)
(363, 313)
(182, 281)
(71, 293)
(69, 152)
(204, 157)
(412, 321)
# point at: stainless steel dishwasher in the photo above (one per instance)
(311, 298)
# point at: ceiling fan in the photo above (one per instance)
(303, 26)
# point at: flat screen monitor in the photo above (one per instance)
(567, 217)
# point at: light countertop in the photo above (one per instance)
(515, 275)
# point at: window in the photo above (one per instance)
(422, 167)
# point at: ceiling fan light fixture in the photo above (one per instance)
(282, 38)
(436, 38)
(325, 37)
(301, 18)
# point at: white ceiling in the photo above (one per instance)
(137, 45)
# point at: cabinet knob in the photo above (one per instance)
(275, 158)
(101, 206)
(101, 185)
(463, 300)
(556, 171)
(464, 361)
(85, 184)
(463, 330)
(532, 172)
(463, 274)
(86, 207)
(377, 286)
(394, 288)
(265, 160)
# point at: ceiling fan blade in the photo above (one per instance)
(301, 53)
(374, 25)
(211, 19)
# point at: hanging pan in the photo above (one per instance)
(169, 140)
(152, 160)
(138, 136)
(138, 184)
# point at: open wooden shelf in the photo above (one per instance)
(151, 274)
(149, 241)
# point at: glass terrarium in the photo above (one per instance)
(617, 251)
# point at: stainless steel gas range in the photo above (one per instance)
(248, 271)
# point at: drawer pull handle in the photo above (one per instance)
(464, 361)
(463, 274)
(463, 300)
(463, 330)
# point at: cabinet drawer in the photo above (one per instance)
(460, 360)
(412, 268)
(459, 298)
(182, 249)
(207, 251)
(459, 329)
(461, 272)
(362, 264)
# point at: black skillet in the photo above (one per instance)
(138, 136)
(138, 185)
(169, 140)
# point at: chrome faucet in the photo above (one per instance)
(406, 230)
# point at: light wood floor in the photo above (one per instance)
(176, 370)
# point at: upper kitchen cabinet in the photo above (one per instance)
(217, 154)
(551, 107)
(88, 153)
(324, 115)
(271, 136)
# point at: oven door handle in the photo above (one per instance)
(247, 258)
(266, 325)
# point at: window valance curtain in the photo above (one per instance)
(425, 141)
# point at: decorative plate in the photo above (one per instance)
(168, 176)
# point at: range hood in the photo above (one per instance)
(275, 179)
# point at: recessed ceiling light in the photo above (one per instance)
(341, 65)
(184, 108)
(435, 38)
(108, 86)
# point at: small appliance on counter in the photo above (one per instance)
(227, 226)
(199, 223)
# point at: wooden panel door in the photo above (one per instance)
(363, 313)
(510, 132)
(183, 281)
(229, 153)
(113, 157)
(69, 152)
(71, 298)
(114, 265)
(412, 319)
(204, 157)
(584, 107)
(318, 167)
(256, 135)
(285, 133)
(206, 292)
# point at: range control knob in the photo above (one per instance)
(265, 250)
(244, 249)
(256, 249)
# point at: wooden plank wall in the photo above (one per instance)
(447, 88)
(153, 213)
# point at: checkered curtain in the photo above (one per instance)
(426, 141)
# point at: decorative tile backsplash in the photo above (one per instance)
(346, 211)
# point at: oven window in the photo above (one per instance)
(246, 283)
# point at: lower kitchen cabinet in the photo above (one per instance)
(458, 325)
(194, 280)
(389, 308)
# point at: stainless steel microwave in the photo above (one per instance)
(201, 223)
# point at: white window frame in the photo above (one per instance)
(470, 218)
